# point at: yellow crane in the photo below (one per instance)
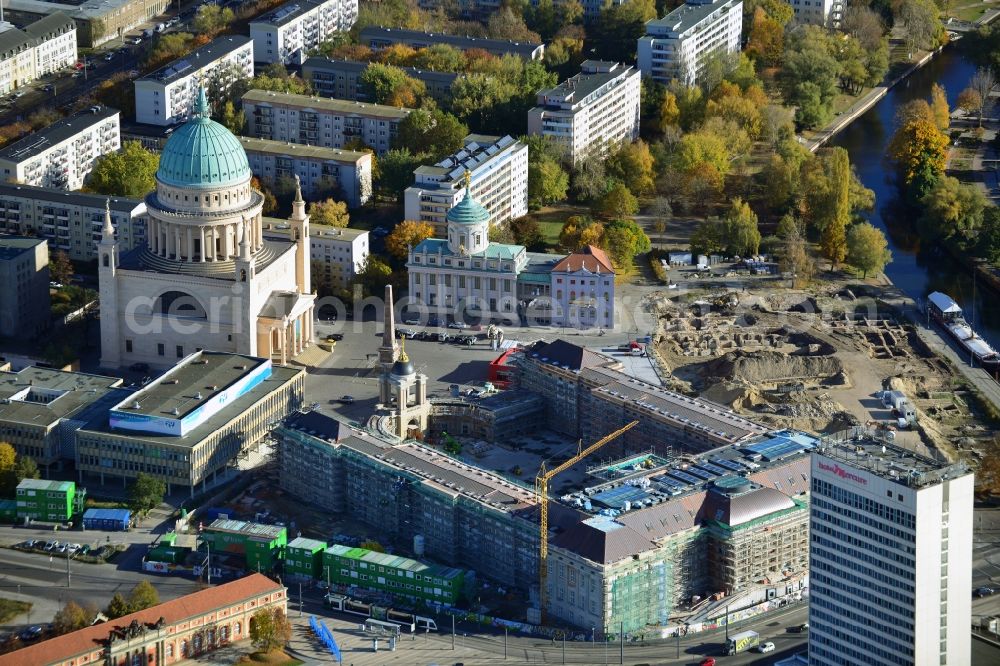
(542, 489)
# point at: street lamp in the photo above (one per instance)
(208, 559)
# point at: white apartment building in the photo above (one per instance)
(499, 176)
(167, 96)
(43, 47)
(62, 154)
(677, 45)
(817, 11)
(583, 290)
(70, 221)
(318, 121)
(350, 171)
(890, 556)
(594, 109)
(339, 253)
(288, 33)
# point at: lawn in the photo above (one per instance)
(272, 658)
(10, 608)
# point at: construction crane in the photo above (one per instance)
(542, 489)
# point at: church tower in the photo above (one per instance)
(107, 256)
(468, 224)
(299, 222)
(407, 391)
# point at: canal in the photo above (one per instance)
(916, 269)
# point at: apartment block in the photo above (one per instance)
(336, 254)
(817, 12)
(70, 221)
(498, 168)
(318, 168)
(295, 28)
(890, 555)
(62, 154)
(378, 38)
(49, 501)
(329, 123)
(96, 22)
(591, 111)
(341, 79)
(41, 409)
(168, 95)
(399, 576)
(45, 46)
(678, 45)
(24, 300)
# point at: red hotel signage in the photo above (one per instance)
(843, 473)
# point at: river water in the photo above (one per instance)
(917, 270)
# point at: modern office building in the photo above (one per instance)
(70, 221)
(399, 576)
(262, 546)
(190, 425)
(43, 47)
(97, 21)
(205, 278)
(168, 95)
(319, 169)
(315, 121)
(62, 154)
(590, 112)
(498, 168)
(336, 254)
(289, 32)
(378, 38)
(49, 501)
(890, 555)
(41, 409)
(174, 631)
(341, 79)
(678, 45)
(304, 558)
(24, 299)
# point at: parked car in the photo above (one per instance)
(707, 661)
(798, 629)
(74, 547)
(411, 320)
(84, 549)
(766, 647)
(32, 633)
(460, 325)
(433, 320)
(48, 88)
(335, 337)
(51, 545)
(347, 399)
(984, 591)
(401, 332)
(443, 337)
(109, 56)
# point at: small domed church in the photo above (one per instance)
(207, 277)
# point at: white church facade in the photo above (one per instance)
(206, 278)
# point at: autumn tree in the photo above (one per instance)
(385, 84)
(526, 231)
(618, 202)
(741, 233)
(920, 151)
(436, 133)
(142, 596)
(69, 618)
(952, 209)
(983, 82)
(766, 43)
(232, 118)
(633, 164)
(623, 239)
(129, 172)
(117, 607)
(579, 231)
(212, 19)
(969, 100)
(939, 107)
(330, 213)
(548, 181)
(827, 188)
(61, 268)
(867, 249)
(795, 257)
(270, 629)
(921, 24)
(374, 274)
(407, 234)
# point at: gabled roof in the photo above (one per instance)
(566, 354)
(88, 639)
(592, 259)
(603, 540)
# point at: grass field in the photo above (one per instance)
(10, 608)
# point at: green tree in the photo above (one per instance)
(506, 24)
(117, 607)
(270, 629)
(232, 118)
(145, 493)
(989, 235)
(618, 202)
(827, 184)
(708, 237)
(867, 249)
(633, 164)
(330, 213)
(212, 19)
(920, 151)
(921, 24)
(439, 58)
(69, 618)
(130, 172)
(526, 232)
(740, 230)
(61, 268)
(395, 172)
(810, 74)
(615, 32)
(374, 274)
(407, 234)
(623, 239)
(590, 179)
(169, 46)
(142, 596)
(548, 182)
(952, 209)
(385, 84)
(436, 133)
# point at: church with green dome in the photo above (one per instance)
(207, 277)
(467, 277)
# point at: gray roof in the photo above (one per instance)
(356, 67)
(341, 106)
(53, 24)
(476, 151)
(87, 9)
(861, 450)
(579, 86)
(62, 130)
(689, 14)
(286, 12)
(399, 35)
(251, 144)
(14, 41)
(15, 246)
(735, 510)
(201, 56)
(566, 354)
(68, 394)
(601, 539)
(57, 196)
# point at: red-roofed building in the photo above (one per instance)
(164, 634)
(583, 290)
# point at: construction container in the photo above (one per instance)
(304, 557)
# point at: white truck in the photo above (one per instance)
(741, 642)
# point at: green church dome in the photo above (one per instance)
(203, 153)
(468, 210)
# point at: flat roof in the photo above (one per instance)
(579, 86)
(42, 396)
(393, 561)
(689, 14)
(287, 12)
(15, 246)
(306, 544)
(357, 66)
(200, 57)
(477, 151)
(464, 43)
(43, 485)
(57, 196)
(868, 450)
(342, 106)
(56, 133)
(250, 530)
(270, 147)
(87, 9)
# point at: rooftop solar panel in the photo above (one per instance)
(665, 480)
(729, 464)
(702, 473)
(715, 469)
(684, 476)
